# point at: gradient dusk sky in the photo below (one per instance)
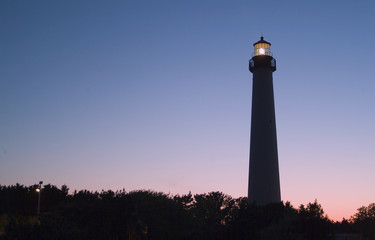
(157, 95)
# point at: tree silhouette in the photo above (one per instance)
(364, 220)
(212, 212)
(312, 222)
(155, 215)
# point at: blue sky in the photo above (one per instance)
(157, 95)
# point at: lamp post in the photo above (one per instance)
(39, 190)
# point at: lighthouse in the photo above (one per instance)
(264, 181)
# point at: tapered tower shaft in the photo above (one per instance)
(264, 183)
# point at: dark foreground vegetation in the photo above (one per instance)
(154, 215)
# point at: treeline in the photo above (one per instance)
(154, 215)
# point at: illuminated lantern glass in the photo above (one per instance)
(262, 48)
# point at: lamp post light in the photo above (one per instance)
(39, 191)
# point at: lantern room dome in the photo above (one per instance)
(262, 41)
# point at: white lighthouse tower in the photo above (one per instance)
(264, 182)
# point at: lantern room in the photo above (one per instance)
(262, 47)
(262, 57)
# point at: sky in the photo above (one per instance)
(140, 94)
